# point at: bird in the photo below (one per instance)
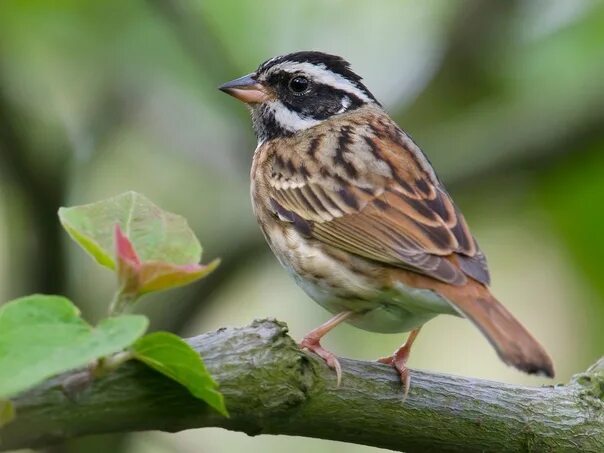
(354, 211)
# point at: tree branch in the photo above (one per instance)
(271, 387)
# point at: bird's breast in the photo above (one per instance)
(325, 273)
(339, 281)
(334, 278)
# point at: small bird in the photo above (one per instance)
(353, 209)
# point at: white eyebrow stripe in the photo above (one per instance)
(321, 74)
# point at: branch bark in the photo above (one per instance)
(271, 387)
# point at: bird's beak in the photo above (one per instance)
(246, 89)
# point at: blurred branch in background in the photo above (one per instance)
(42, 191)
(271, 387)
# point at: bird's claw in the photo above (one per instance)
(399, 362)
(385, 360)
(313, 345)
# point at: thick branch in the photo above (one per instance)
(273, 388)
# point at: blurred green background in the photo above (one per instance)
(506, 98)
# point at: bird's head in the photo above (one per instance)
(297, 91)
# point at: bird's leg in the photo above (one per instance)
(399, 360)
(312, 342)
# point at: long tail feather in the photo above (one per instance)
(514, 344)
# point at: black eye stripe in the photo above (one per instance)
(331, 63)
(283, 78)
(276, 78)
(324, 102)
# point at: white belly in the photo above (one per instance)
(399, 309)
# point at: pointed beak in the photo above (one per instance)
(246, 89)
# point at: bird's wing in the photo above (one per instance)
(373, 193)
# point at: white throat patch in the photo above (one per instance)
(289, 119)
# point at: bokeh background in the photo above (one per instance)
(506, 98)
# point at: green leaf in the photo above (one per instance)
(173, 357)
(7, 412)
(149, 249)
(155, 234)
(42, 336)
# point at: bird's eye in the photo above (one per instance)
(299, 84)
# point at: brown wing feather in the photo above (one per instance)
(379, 199)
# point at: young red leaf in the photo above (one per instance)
(124, 248)
(138, 277)
(155, 276)
(128, 264)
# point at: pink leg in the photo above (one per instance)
(399, 360)
(312, 342)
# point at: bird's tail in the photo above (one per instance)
(514, 344)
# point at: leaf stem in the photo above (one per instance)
(121, 303)
(75, 383)
(106, 365)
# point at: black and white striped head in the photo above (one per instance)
(297, 91)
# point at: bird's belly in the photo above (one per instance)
(391, 311)
(338, 281)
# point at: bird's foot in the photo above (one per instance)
(399, 362)
(312, 344)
